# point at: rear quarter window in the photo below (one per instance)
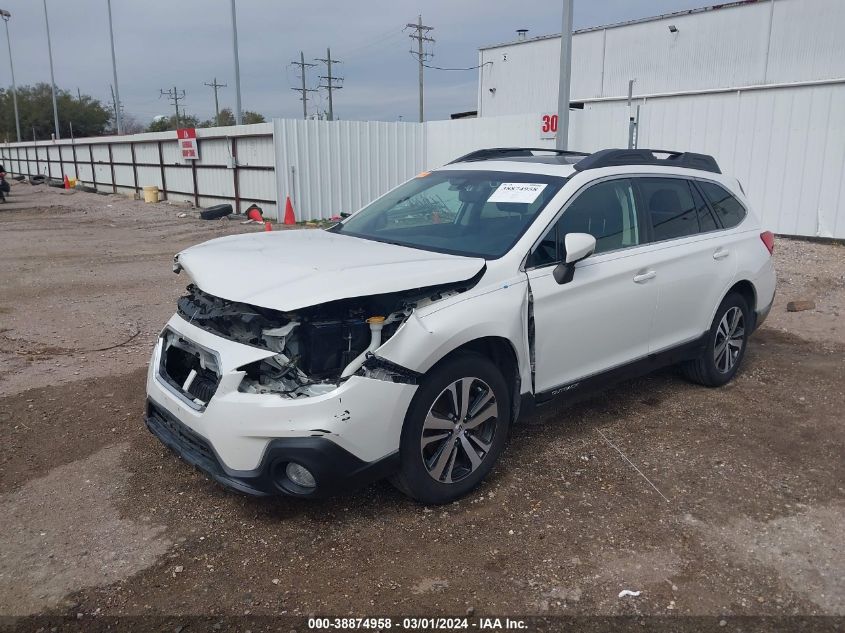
(728, 209)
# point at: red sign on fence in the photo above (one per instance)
(548, 125)
(188, 143)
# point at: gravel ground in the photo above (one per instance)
(741, 515)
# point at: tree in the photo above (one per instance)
(253, 117)
(35, 105)
(131, 125)
(169, 123)
(228, 118)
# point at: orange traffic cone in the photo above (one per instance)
(254, 213)
(268, 226)
(67, 182)
(290, 218)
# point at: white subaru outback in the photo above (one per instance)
(404, 341)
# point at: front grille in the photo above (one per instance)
(179, 358)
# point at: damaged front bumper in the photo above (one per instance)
(344, 437)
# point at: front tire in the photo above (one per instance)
(454, 431)
(726, 343)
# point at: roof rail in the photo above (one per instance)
(617, 157)
(504, 152)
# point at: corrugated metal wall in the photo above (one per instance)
(763, 42)
(786, 146)
(125, 164)
(447, 140)
(334, 167)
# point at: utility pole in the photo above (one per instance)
(215, 86)
(117, 106)
(6, 17)
(52, 78)
(175, 97)
(562, 138)
(302, 66)
(421, 35)
(328, 61)
(119, 115)
(238, 114)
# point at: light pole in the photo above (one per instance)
(562, 139)
(118, 117)
(52, 78)
(238, 116)
(6, 16)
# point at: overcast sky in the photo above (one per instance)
(162, 43)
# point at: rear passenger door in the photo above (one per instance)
(691, 256)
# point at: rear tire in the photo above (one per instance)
(454, 431)
(726, 343)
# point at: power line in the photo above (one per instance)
(329, 79)
(304, 90)
(467, 68)
(376, 41)
(421, 35)
(175, 97)
(216, 86)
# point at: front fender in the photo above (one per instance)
(430, 334)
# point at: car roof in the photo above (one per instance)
(515, 166)
(564, 163)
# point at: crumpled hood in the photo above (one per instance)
(288, 270)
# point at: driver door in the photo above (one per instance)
(602, 318)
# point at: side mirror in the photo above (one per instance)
(578, 246)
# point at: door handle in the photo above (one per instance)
(720, 253)
(644, 277)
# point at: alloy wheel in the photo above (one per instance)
(458, 430)
(730, 337)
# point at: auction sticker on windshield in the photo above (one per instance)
(519, 192)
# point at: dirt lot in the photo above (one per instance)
(98, 519)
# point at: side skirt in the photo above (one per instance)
(580, 389)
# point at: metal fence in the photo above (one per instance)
(785, 146)
(237, 165)
(326, 167)
(334, 167)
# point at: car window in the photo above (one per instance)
(706, 221)
(435, 205)
(670, 207)
(606, 210)
(465, 212)
(728, 209)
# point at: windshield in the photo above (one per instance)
(474, 213)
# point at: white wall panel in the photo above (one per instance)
(333, 167)
(728, 46)
(448, 140)
(786, 146)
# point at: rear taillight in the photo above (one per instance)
(769, 240)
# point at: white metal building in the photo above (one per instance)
(759, 84)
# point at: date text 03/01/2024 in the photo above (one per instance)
(418, 623)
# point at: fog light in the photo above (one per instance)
(300, 475)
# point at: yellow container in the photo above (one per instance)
(151, 194)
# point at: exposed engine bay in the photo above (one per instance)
(316, 347)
